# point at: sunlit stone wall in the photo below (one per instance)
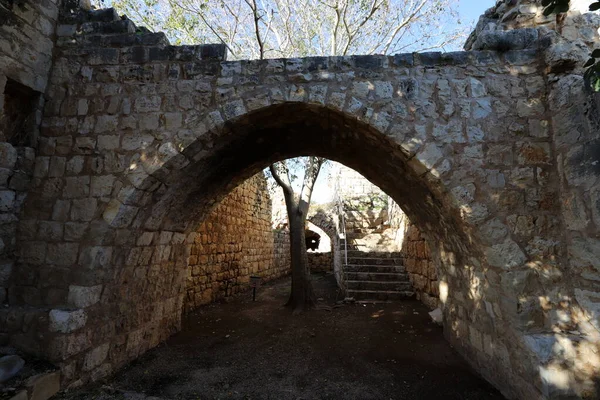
(233, 243)
(420, 266)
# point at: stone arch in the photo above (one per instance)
(324, 236)
(326, 220)
(413, 128)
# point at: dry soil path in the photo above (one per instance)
(258, 350)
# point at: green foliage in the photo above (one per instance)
(592, 73)
(555, 6)
(367, 202)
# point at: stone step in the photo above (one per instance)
(377, 276)
(122, 40)
(375, 268)
(374, 261)
(120, 26)
(379, 285)
(361, 235)
(374, 295)
(373, 254)
(103, 15)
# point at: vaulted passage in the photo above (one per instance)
(491, 155)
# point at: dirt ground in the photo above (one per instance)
(259, 350)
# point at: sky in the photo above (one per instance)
(469, 11)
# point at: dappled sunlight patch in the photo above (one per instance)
(444, 291)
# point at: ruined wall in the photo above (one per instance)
(27, 33)
(420, 266)
(374, 222)
(234, 242)
(26, 44)
(320, 262)
(577, 26)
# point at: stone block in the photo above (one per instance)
(62, 253)
(50, 231)
(74, 231)
(5, 173)
(101, 372)
(65, 321)
(95, 357)
(106, 123)
(95, 257)
(428, 59)
(533, 153)
(505, 255)
(22, 395)
(7, 200)
(102, 186)
(8, 155)
(84, 296)
(78, 186)
(530, 107)
(6, 268)
(517, 39)
(43, 386)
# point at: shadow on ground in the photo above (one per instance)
(246, 350)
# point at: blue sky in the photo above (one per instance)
(470, 10)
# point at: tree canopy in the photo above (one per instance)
(296, 28)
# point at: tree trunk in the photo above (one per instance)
(302, 296)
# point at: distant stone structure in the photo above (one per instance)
(115, 146)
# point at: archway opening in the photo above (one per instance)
(186, 187)
(155, 223)
(313, 240)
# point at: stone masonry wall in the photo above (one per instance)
(234, 242)
(320, 262)
(420, 266)
(466, 143)
(573, 259)
(25, 63)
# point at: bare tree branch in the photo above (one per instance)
(281, 174)
(297, 28)
(256, 16)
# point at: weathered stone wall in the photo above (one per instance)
(281, 249)
(235, 241)
(373, 221)
(517, 23)
(27, 34)
(473, 146)
(320, 262)
(156, 153)
(420, 266)
(26, 45)
(570, 260)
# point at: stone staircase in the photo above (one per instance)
(116, 40)
(104, 28)
(374, 276)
